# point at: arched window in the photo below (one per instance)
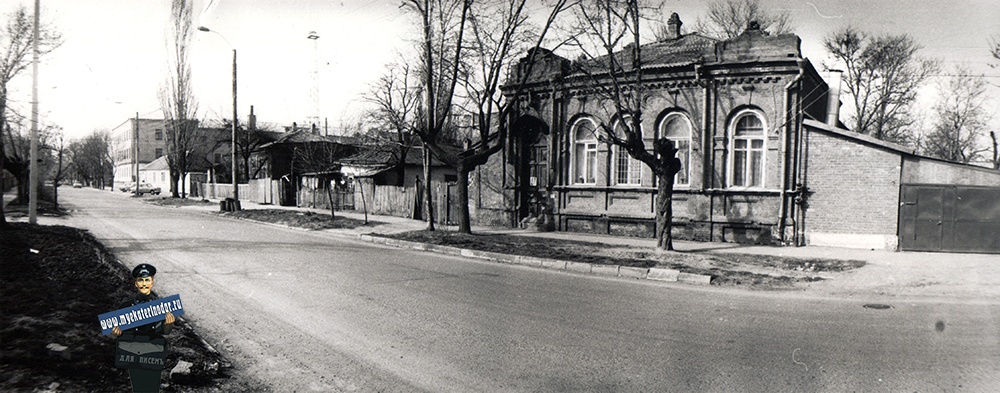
(584, 151)
(748, 132)
(677, 128)
(627, 170)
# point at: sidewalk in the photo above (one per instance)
(886, 275)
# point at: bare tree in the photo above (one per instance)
(961, 118)
(91, 158)
(16, 42)
(479, 38)
(395, 97)
(17, 154)
(883, 75)
(617, 77)
(321, 159)
(177, 97)
(995, 48)
(61, 166)
(728, 18)
(248, 144)
(443, 23)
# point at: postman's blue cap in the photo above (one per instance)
(143, 270)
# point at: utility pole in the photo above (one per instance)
(33, 166)
(236, 185)
(314, 89)
(135, 153)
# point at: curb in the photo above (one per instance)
(641, 273)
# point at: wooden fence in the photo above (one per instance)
(261, 191)
(405, 201)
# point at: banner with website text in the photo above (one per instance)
(141, 314)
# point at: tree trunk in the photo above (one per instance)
(55, 195)
(329, 195)
(996, 153)
(3, 179)
(664, 211)
(428, 200)
(246, 169)
(3, 152)
(464, 221)
(173, 184)
(22, 188)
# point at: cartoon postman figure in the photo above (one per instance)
(140, 325)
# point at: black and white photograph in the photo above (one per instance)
(499, 196)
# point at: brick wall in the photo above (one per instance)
(920, 170)
(855, 186)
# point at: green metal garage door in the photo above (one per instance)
(949, 218)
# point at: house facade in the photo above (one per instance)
(300, 164)
(764, 157)
(157, 174)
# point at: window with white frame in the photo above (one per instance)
(676, 127)
(627, 170)
(749, 134)
(584, 152)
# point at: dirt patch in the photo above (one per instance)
(54, 281)
(301, 219)
(728, 269)
(16, 209)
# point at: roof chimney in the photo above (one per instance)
(252, 120)
(674, 26)
(833, 98)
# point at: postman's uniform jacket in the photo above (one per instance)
(153, 330)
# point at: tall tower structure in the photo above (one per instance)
(314, 117)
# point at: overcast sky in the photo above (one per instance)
(111, 64)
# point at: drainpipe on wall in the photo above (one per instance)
(553, 141)
(706, 134)
(783, 209)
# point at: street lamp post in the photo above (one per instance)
(236, 189)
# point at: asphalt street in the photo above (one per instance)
(313, 311)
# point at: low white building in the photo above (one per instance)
(157, 173)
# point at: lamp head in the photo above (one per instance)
(203, 28)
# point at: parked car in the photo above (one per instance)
(144, 188)
(128, 186)
(77, 184)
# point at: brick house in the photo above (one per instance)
(765, 158)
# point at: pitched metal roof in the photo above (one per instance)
(159, 164)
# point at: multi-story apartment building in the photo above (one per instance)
(127, 155)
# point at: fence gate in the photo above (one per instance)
(949, 218)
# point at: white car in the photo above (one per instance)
(144, 188)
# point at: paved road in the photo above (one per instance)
(311, 311)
